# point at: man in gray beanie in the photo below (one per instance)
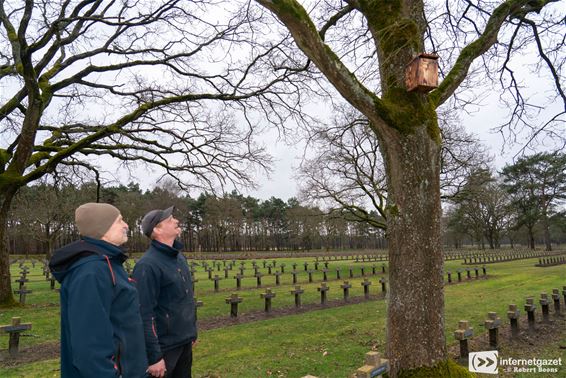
(101, 327)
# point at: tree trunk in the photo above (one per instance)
(416, 296)
(546, 229)
(531, 238)
(6, 297)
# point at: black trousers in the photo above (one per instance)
(178, 361)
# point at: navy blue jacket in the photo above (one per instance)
(101, 328)
(164, 285)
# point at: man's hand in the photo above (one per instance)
(157, 369)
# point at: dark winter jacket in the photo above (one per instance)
(164, 284)
(101, 328)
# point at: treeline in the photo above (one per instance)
(524, 203)
(42, 216)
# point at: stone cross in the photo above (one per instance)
(382, 268)
(513, 315)
(316, 265)
(544, 304)
(373, 268)
(484, 269)
(477, 270)
(264, 263)
(449, 277)
(238, 278)
(530, 309)
(277, 274)
(351, 271)
(22, 281)
(267, 297)
(564, 294)
(463, 333)
(269, 269)
(375, 366)
(366, 285)
(459, 271)
(363, 268)
(234, 300)
(324, 274)
(297, 292)
(383, 285)
(22, 291)
(209, 270)
(14, 330)
(226, 270)
(346, 287)
(306, 264)
(216, 279)
(52, 282)
(310, 272)
(294, 274)
(282, 266)
(468, 273)
(258, 278)
(323, 289)
(337, 272)
(492, 324)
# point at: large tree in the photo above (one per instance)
(362, 48)
(537, 184)
(141, 82)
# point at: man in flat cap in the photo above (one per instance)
(101, 327)
(164, 284)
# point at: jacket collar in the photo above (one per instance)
(167, 250)
(111, 250)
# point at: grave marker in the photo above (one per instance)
(530, 309)
(513, 315)
(463, 333)
(346, 287)
(323, 289)
(297, 292)
(366, 284)
(267, 297)
(14, 330)
(492, 324)
(234, 300)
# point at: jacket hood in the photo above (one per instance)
(72, 255)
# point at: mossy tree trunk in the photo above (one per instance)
(407, 130)
(415, 321)
(6, 296)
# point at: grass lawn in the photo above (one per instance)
(325, 343)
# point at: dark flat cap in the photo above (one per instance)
(152, 219)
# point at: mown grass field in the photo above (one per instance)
(326, 343)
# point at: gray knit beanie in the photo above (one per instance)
(94, 219)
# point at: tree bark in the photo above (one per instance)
(6, 297)
(416, 295)
(546, 232)
(531, 238)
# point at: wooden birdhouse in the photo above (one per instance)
(421, 74)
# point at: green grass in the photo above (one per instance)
(325, 343)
